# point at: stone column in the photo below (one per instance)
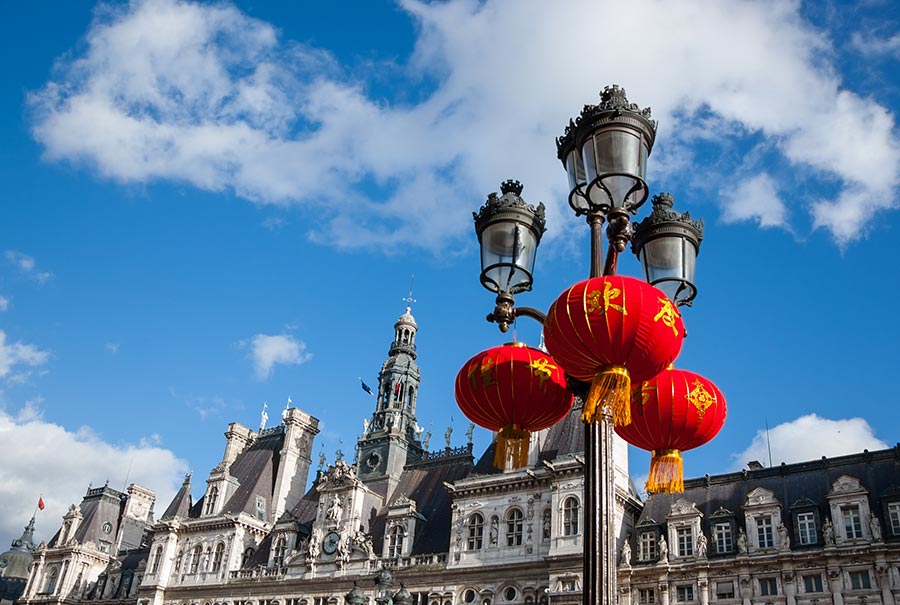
(836, 584)
(703, 586)
(664, 593)
(789, 587)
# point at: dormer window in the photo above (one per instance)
(723, 537)
(647, 546)
(685, 541)
(806, 528)
(765, 535)
(852, 522)
(211, 498)
(894, 517)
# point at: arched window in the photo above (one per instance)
(514, 527)
(395, 542)
(571, 513)
(156, 558)
(211, 498)
(476, 532)
(248, 554)
(52, 576)
(409, 395)
(280, 549)
(218, 555)
(195, 558)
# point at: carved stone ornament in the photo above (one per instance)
(761, 496)
(683, 507)
(339, 475)
(845, 485)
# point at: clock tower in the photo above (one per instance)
(391, 436)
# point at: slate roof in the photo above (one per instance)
(878, 473)
(100, 505)
(181, 503)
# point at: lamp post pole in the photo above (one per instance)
(604, 152)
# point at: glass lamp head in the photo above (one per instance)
(667, 244)
(509, 231)
(605, 153)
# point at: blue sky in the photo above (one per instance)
(209, 206)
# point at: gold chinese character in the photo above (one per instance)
(646, 393)
(487, 368)
(700, 398)
(609, 294)
(543, 369)
(668, 314)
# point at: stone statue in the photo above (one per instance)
(321, 460)
(426, 441)
(783, 537)
(875, 526)
(343, 549)
(365, 426)
(335, 511)
(447, 434)
(663, 550)
(469, 433)
(314, 543)
(701, 545)
(742, 541)
(626, 554)
(828, 532)
(338, 455)
(495, 530)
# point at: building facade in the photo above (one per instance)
(440, 527)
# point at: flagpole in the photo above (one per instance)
(38, 505)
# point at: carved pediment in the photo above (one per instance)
(722, 512)
(803, 503)
(846, 485)
(339, 475)
(683, 507)
(761, 497)
(648, 522)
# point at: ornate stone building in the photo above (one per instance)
(455, 531)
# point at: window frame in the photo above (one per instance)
(684, 541)
(571, 516)
(648, 546)
(727, 534)
(218, 557)
(646, 596)
(851, 518)
(893, 517)
(807, 533)
(768, 586)
(860, 579)
(684, 593)
(515, 526)
(396, 538)
(475, 532)
(816, 581)
(765, 531)
(720, 595)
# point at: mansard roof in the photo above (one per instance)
(878, 472)
(101, 505)
(255, 469)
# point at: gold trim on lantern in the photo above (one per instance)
(611, 388)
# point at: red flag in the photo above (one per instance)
(397, 389)
(41, 502)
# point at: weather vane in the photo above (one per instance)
(409, 300)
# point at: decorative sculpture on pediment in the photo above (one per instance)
(625, 558)
(761, 496)
(846, 484)
(702, 545)
(315, 546)
(683, 507)
(742, 541)
(335, 510)
(663, 550)
(404, 501)
(363, 542)
(339, 475)
(828, 532)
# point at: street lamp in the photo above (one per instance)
(604, 152)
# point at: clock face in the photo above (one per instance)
(107, 527)
(331, 543)
(3, 563)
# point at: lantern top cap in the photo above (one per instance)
(613, 105)
(663, 213)
(509, 203)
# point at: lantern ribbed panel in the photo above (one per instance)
(513, 390)
(604, 325)
(513, 385)
(675, 410)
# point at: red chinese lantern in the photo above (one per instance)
(515, 390)
(675, 411)
(610, 331)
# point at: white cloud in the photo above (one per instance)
(14, 355)
(27, 265)
(112, 347)
(268, 350)
(221, 103)
(4, 303)
(808, 438)
(871, 44)
(755, 199)
(40, 457)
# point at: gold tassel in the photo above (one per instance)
(666, 473)
(611, 387)
(512, 448)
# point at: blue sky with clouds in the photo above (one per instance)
(209, 206)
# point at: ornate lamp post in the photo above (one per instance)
(604, 152)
